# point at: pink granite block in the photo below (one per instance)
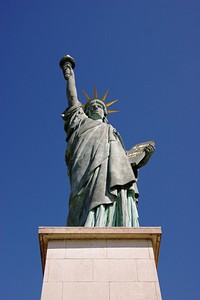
(158, 291)
(70, 270)
(56, 249)
(132, 291)
(128, 249)
(85, 291)
(151, 253)
(52, 291)
(146, 270)
(46, 271)
(115, 270)
(86, 249)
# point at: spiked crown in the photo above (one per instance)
(100, 100)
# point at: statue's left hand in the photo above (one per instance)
(149, 149)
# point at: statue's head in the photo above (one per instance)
(96, 108)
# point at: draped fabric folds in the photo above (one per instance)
(103, 185)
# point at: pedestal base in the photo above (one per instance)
(100, 263)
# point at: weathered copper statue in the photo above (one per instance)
(102, 173)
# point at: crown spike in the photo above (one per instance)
(86, 95)
(112, 111)
(95, 92)
(111, 103)
(105, 95)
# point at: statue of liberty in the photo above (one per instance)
(103, 175)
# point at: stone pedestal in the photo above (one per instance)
(100, 263)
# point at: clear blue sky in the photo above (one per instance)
(148, 53)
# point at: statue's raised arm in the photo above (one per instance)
(67, 64)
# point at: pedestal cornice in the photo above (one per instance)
(47, 234)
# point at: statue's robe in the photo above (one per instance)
(99, 171)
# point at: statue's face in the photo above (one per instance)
(96, 111)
